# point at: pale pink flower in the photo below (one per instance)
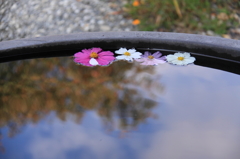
(152, 59)
(93, 57)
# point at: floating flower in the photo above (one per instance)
(128, 55)
(136, 3)
(93, 57)
(152, 59)
(136, 22)
(180, 58)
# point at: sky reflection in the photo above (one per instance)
(202, 118)
(196, 116)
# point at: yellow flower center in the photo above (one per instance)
(94, 55)
(127, 54)
(150, 57)
(180, 58)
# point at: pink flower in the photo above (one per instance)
(93, 57)
(152, 59)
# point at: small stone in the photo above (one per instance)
(69, 30)
(14, 6)
(92, 21)
(237, 30)
(209, 32)
(127, 29)
(105, 28)
(122, 22)
(86, 18)
(100, 22)
(58, 12)
(86, 27)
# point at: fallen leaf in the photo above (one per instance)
(158, 20)
(222, 16)
(226, 36)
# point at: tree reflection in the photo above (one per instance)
(2, 149)
(31, 89)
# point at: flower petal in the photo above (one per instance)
(157, 61)
(129, 58)
(189, 60)
(178, 54)
(186, 55)
(103, 62)
(146, 54)
(162, 58)
(108, 58)
(97, 50)
(192, 58)
(86, 51)
(83, 62)
(78, 60)
(139, 60)
(157, 55)
(185, 62)
(120, 57)
(171, 57)
(78, 54)
(132, 51)
(106, 53)
(178, 62)
(145, 63)
(81, 56)
(136, 55)
(121, 51)
(93, 61)
(139, 53)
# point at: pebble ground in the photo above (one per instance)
(34, 18)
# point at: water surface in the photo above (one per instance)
(52, 108)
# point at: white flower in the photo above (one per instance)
(180, 58)
(128, 55)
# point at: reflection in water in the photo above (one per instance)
(32, 89)
(79, 112)
(2, 149)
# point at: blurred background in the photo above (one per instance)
(34, 18)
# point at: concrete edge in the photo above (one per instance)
(205, 45)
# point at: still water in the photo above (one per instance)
(55, 109)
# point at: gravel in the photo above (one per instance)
(34, 18)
